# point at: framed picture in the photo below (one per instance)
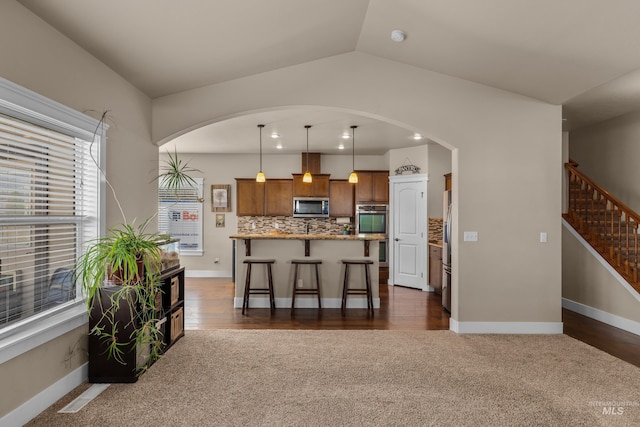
(220, 220)
(220, 198)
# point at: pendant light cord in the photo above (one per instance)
(260, 127)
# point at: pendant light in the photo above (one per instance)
(260, 177)
(307, 175)
(353, 178)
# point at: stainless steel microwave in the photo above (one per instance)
(311, 207)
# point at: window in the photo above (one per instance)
(180, 215)
(49, 204)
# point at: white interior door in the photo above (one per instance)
(408, 209)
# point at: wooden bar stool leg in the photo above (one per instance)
(247, 282)
(369, 293)
(318, 286)
(344, 288)
(272, 299)
(295, 286)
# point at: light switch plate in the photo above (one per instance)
(543, 237)
(470, 236)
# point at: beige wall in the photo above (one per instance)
(504, 143)
(608, 153)
(586, 281)
(25, 376)
(39, 58)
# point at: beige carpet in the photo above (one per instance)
(369, 378)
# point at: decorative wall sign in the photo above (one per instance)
(221, 198)
(220, 220)
(407, 167)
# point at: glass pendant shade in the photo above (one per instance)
(307, 175)
(260, 176)
(353, 178)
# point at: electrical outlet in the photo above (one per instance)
(543, 237)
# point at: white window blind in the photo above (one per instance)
(48, 208)
(180, 215)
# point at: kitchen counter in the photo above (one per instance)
(287, 236)
(437, 243)
(366, 238)
(331, 249)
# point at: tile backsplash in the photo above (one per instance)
(287, 224)
(435, 229)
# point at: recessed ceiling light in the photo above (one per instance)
(398, 36)
(417, 136)
(346, 136)
(274, 135)
(341, 147)
(279, 146)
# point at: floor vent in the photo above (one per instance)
(86, 397)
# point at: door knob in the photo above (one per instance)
(396, 239)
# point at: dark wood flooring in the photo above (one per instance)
(209, 305)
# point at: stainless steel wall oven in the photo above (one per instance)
(374, 219)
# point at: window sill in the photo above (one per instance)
(41, 331)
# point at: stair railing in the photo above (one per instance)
(609, 225)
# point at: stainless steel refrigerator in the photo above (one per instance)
(446, 252)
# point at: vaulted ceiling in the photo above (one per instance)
(582, 54)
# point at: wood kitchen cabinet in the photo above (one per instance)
(278, 197)
(341, 196)
(435, 268)
(270, 198)
(318, 187)
(372, 187)
(249, 197)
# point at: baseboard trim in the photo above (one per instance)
(206, 273)
(47, 397)
(602, 316)
(306, 302)
(546, 328)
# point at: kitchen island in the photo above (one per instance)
(330, 249)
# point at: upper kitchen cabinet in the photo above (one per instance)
(341, 198)
(250, 197)
(318, 187)
(270, 198)
(278, 197)
(372, 187)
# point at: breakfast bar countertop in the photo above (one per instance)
(288, 236)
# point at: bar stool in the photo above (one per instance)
(305, 291)
(346, 290)
(248, 290)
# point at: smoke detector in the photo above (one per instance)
(398, 36)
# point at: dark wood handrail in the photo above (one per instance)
(610, 226)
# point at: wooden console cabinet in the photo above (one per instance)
(170, 314)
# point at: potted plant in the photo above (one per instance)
(120, 272)
(346, 229)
